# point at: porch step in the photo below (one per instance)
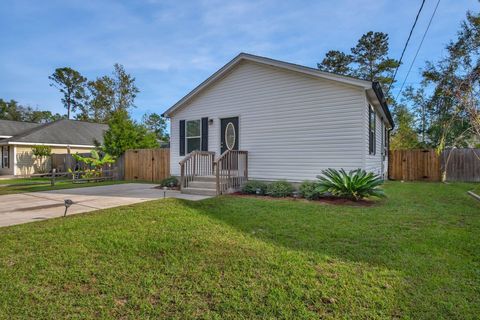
(205, 178)
(200, 191)
(208, 184)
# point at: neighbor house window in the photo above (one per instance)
(193, 135)
(371, 130)
(5, 157)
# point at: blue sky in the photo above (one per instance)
(171, 46)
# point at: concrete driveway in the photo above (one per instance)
(35, 206)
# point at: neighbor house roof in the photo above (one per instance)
(11, 128)
(61, 132)
(373, 89)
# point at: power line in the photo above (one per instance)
(418, 49)
(406, 45)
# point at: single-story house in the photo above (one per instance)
(289, 122)
(63, 136)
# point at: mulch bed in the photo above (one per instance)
(323, 200)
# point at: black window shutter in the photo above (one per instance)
(374, 132)
(204, 134)
(370, 137)
(182, 137)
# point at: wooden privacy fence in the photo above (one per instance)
(413, 165)
(426, 165)
(147, 164)
(462, 164)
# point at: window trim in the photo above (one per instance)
(192, 137)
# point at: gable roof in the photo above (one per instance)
(10, 128)
(373, 89)
(61, 132)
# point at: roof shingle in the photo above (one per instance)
(69, 132)
(12, 128)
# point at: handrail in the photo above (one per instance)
(196, 163)
(231, 171)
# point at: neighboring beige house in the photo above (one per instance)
(63, 136)
(293, 121)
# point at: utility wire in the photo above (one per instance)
(406, 45)
(418, 49)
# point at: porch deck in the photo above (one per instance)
(202, 174)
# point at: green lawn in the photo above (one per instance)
(11, 186)
(415, 255)
(476, 189)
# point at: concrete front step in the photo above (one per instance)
(200, 191)
(203, 184)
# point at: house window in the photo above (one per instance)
(193, 136)
(5, 157)
(382, 138)
(371, 130)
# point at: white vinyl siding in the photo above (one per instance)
(292, 125)
(376, 163)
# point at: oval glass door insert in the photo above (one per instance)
(230, 136)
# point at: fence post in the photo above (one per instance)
(52, 181)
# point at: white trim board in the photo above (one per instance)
(47, 144)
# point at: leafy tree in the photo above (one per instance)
(108, 94)
(157, 124)
(447, 101)
(12, 110)
(123, 134)
(367, 60)
(42, 116)
(72, 85)
(422, 119)
(125, 89)
(100, 103)
(404, 136)
(3, 109)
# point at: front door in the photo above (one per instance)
(229, 134)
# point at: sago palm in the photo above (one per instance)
(355, 185)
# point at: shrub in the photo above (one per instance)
(169, 182)
(355, 185)
(41, 153)
(308, 190)
(280, 189)
(251, 187)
